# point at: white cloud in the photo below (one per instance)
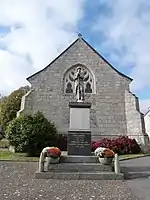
(125, 26)
(127, 29)
(15, 71)
(40, 29)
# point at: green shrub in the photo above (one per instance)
(31, 134)
(9, 105)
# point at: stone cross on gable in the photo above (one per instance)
(80, 35)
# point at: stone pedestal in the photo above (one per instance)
(79, 143)
(79, 134)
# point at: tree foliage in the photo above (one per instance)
(10, 105)
(31, 134)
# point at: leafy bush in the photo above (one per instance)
(62, 142)
(9, 105)
(31, 134)
(120, 145)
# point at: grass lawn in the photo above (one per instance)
(6, 155)
(127, 156)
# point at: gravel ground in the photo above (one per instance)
(17, 183)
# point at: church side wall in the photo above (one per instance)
(147, 124)
(135, 119)
(26, 103)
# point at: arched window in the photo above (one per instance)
(69, 86)
(88, 88)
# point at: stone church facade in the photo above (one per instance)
(115, 110)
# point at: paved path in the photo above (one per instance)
(137, 173)
(17, 183)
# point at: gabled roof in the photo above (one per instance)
(92, 49)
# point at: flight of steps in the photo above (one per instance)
(79, 168)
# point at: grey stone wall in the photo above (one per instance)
(108, 111)
(27, 103)
(135, 119)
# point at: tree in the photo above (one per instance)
(31, 134)
(10, 105)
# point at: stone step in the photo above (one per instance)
(80, 167)
(79, 159)
(80, 175)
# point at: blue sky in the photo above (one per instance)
(33, 32)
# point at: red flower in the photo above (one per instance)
(120, 145)
(53, 152)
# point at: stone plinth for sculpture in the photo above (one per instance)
(79, 134)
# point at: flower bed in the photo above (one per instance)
(120, 145)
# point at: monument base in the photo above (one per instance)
(79, 168)
(79, 134)
(79, 175)
(79, 143)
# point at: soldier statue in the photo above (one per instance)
(79, 85)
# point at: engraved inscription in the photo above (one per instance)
(79, 143)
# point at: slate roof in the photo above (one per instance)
(80, 38)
